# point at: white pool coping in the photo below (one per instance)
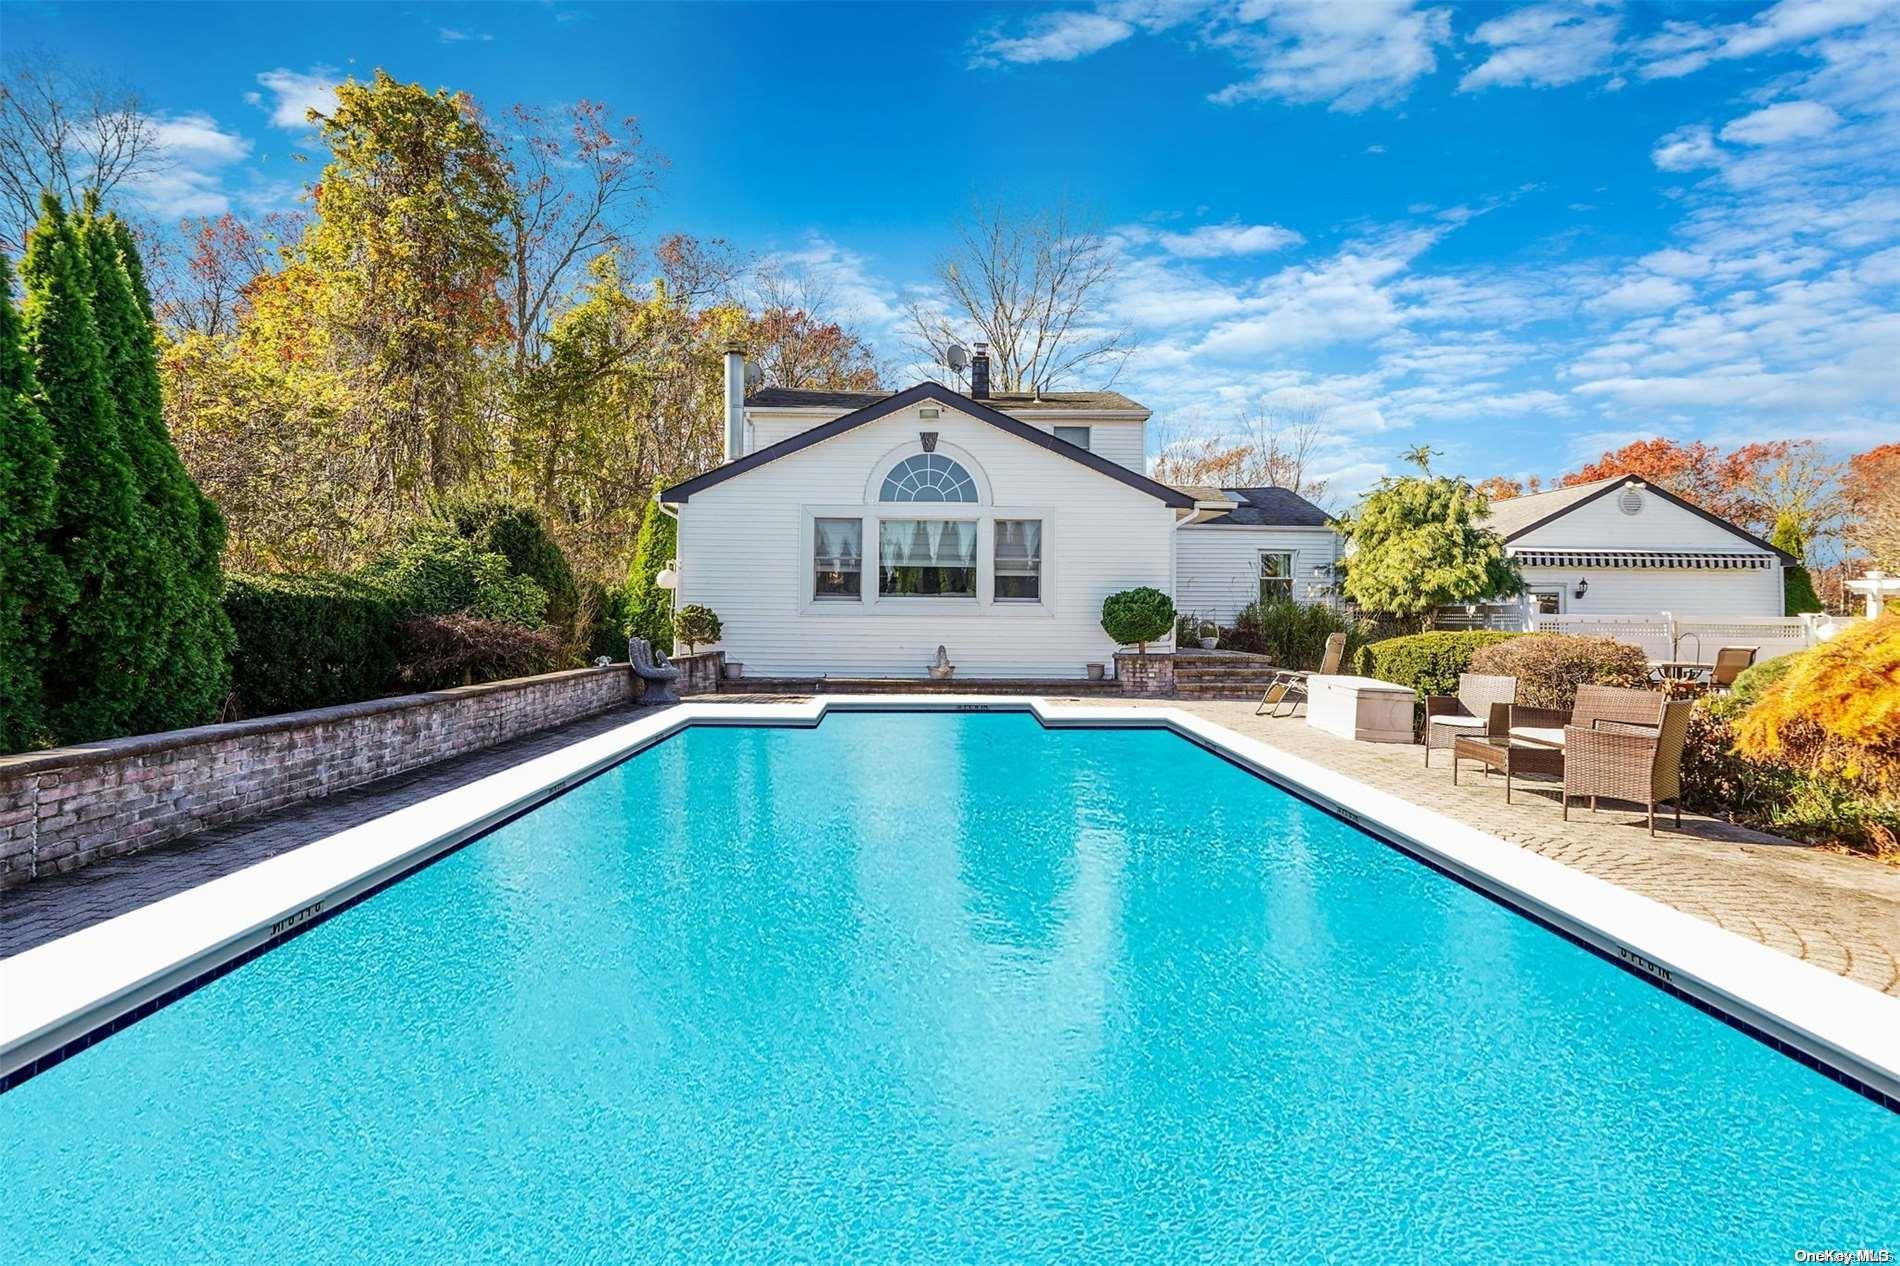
(55, 994)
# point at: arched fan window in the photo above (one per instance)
(928, 477)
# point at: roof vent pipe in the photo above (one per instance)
(735, 400)
(980, 372)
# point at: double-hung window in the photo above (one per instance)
(837, 547)
(1019, 560)
(926, 558)
(1276, 577)
(1076, 435)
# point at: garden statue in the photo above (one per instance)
(941, 668)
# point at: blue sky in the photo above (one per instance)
(1520, 234)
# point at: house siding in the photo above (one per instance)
(744, 552)
(1215, 572)
(1601, 524)
(1123, 441)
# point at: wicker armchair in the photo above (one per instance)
(1620, 761)
(1481, 706)
(1288, 686)
(1596, 706)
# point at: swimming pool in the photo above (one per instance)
(934, 986)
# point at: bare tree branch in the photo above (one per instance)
(69, 135)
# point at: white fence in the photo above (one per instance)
(1698, 638)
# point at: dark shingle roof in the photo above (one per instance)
(1514, 514)
(1007, 401)
(1271, 507)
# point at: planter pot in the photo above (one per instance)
(734, 670)
(1097, 671)
(1209, 643)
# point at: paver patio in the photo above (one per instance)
(1839, 912)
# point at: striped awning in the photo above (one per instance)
(1666, 559)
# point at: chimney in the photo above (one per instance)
(980, 372)
(735, 400)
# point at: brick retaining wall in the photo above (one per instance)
(1144, 674)
(700, 673)
(65, 807)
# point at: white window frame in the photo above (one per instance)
(1088, 434)
(871, 603)
(1260, 572)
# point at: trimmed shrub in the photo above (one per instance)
(1136, 617)
(437, 652)
(694, 625)
(1550, 666)
(515, 530)
(604, 616)
(650, 608)
(308, 641)
(1752, 681)
(435, 572)
(1291, 634)
(1427, 662)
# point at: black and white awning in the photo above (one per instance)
(1665, 559)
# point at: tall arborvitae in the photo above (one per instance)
(99, 638)
(649, 607)
(186, 672)
(32, 584)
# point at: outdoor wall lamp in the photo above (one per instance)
(1583, 587)
(669, 577)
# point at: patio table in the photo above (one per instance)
(1679, 669)
(1499, 752)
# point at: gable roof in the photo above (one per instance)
(887, 405)
(1519, 515)
(1008, 401)
(1262, 507)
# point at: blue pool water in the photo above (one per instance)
(930, 987)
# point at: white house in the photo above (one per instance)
(1621, 546)
(851, 534)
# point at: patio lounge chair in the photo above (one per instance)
(1481, 706)
(1618, 761)
(651, 667)
(1596, 706)
(1289, 685)
(1729, 663)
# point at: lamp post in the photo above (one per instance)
(669, 580)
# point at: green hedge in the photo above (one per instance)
(309, 641)
(1427, 662)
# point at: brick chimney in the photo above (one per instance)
(980, 372)
(735, 400)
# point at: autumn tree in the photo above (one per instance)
(1871, 491)
(1274, 446)
(404, 256)
(1503, 487)
(1728, 485)
(1035, 287)
(32, 584)
(796, 340)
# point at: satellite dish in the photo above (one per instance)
(753, 374)
(956, 358)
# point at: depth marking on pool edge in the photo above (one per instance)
(1637, 961)
(301, 916)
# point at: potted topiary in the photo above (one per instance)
(1137, 617)
(693, 624)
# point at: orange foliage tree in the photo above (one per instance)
(1724, 484)
(1871, 489)
(1836, 710)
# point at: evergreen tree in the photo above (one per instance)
(32, 585)
(97, 635)
(1797, 587)
(649, 607)
(185, 669)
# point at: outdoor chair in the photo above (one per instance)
(1481, 706)
(1288, 686)
(1729, 663)
(651, 667)
(1619, 761)
(1596, 706)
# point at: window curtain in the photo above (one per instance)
(839, 543)
(926, 543)
(1019, 545)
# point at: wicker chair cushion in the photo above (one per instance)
(1544, 736)
(1458, 722)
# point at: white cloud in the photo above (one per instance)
(293, 94)
(450, 35)
(1056, 37)
(1675, 263)
(1682, 48)
(1786, 121)
(1687, 148)
(190, 180)
(1643, 294)
(1350, 56)
(1544, 45)
(1210, 241)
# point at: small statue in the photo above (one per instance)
(942, 668)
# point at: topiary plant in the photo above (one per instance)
(1137, 616)
(693, 624)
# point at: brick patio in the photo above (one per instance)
(1837, 911)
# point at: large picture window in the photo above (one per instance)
(1276, 577)
(928, 477)
(1019, 560)
(926, 558)
(837, 547)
